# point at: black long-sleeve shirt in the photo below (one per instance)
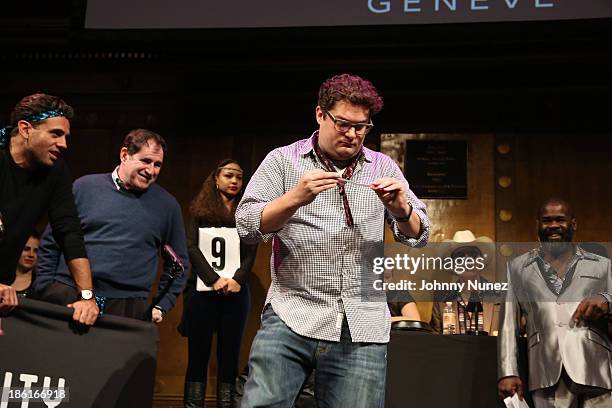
(200, 266)
(24, 198)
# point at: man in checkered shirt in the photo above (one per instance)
(323, 201)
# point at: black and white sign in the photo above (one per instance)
(437, 168)
(221, 248)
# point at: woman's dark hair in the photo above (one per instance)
(208, 204)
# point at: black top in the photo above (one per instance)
(201, 268)
(24, 198)
(396, 300)
(26, 292)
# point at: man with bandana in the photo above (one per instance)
(34, 180)
(563, 292)
(323, 201)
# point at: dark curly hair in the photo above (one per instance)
(207, 204)
(38, 103)
(350, 88)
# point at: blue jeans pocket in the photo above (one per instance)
(267, 312)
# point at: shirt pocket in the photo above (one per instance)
(589, 276)
(598, 339)
(533, 340)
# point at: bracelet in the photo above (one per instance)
(406, 218)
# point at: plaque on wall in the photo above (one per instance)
(437, 168)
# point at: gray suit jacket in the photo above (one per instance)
(553, 340)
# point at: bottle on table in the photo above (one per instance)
(449, 318)
(476, 316)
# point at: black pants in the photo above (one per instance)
(209, 312)
(63, 294)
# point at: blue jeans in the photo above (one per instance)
(348, 375)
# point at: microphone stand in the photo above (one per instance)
(175, 271)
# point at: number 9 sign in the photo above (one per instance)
(221, 248)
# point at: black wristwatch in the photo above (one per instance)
(406, 217)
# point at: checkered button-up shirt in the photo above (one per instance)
(319, 264)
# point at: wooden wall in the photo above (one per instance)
(447, 216)
(574, 166)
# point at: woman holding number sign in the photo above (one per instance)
(216, 297)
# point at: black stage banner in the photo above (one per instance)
(110, 365)
(160, 14)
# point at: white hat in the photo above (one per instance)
(466, 238)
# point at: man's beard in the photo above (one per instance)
(556, 248)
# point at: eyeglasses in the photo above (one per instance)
(466, 252)
(344, 126)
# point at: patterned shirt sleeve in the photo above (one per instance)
(265, 186)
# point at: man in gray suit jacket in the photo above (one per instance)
(564, 292)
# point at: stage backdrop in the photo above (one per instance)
(119, 14)
(110, 365)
